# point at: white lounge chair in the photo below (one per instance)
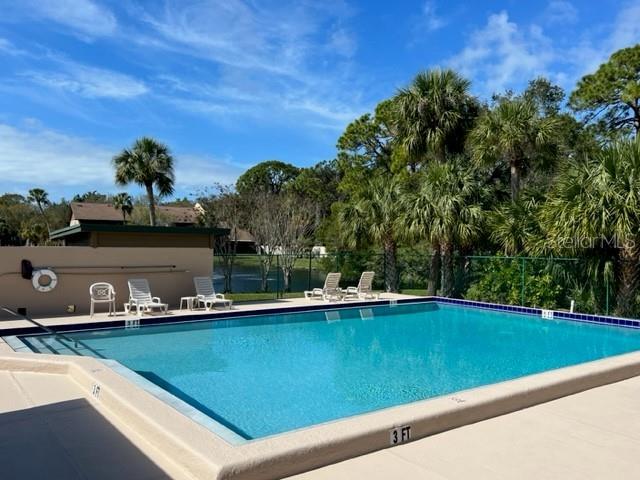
(102, 292)
(331, 289)
(140, 297)
(205, 294)
(364, 289)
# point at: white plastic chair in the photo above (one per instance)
(205, 294)
(364, 290)
(330, 290)
(102, 292)
(140, 297)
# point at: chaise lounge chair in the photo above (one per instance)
(364, 289)
(331, 289)
(140, 297)
(206, 294)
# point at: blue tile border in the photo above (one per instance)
(577, 317)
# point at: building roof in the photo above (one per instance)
(106, 212)
(84, 211)
(90, 227)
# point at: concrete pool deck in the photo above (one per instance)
(590, 435)
(593, 434)
(263, 305)
(165, 443)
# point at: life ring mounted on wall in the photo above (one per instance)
(44, 280)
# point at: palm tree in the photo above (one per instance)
(149, 164)
(514, 225)
(124, 203)
(595, 205)
(447, 209)
(374, 216)
(434, 113)
(40, 198)
(513, 133)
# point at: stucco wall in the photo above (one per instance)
(113, 265)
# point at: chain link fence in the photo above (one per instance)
(553, 283)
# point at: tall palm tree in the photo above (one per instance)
(124, 203)
(149, 164)
(434, 113)
(374, 216)
(596, 205)
(40, 198)
(514, 133)
(447, 209)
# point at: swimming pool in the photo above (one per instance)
(266, 374)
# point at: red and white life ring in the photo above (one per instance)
(44, 280)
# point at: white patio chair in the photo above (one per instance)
(206, 294)
(364, 290)
(330, 290)
(102, 292)
(140, 297)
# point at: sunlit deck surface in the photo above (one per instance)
(590, 435)
(257, 306)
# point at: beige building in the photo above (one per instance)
(169, 257)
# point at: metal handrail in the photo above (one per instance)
(59, 336)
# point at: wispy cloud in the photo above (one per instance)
(9, 48)
(84, 17)
(430, 19)
(264, 62)
(560, 12)
(502, 54)
(88, 82)
(35, 155)
(626, 30)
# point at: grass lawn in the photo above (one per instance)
(415, 291)
(260, 296)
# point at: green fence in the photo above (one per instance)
(531, 281)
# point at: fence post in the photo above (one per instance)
(309, 276)
(606, 284)
(522, 282)
(384, 269)
(277, 277)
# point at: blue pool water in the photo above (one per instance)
(267, 374)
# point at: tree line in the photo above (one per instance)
(529, 173)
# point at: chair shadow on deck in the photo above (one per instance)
(69, 440)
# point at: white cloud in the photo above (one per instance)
(83, 16)
(430, 18)
(9, 48)
(33, 155)
(343, 43)
(38, 156)
(262, 61)
(88, 82)
(502, 54)
(560, 12)
(626, 30)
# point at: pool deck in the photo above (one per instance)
(48, 411)
(240, 307)
(591, 435)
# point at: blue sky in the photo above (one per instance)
(227, 84)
